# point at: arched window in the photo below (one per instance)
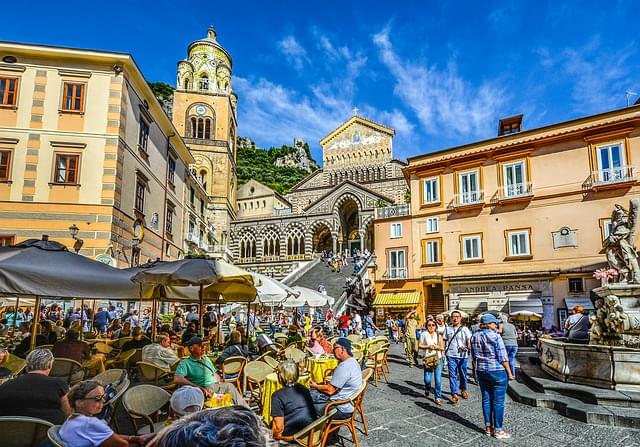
(204, 83)
(200, 127)
(295, 242)
(247, 246)
(203, 178)
(186, 83)
(270, 244)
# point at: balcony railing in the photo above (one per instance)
(395, 273)
(249, 260)
(515, 190)
(470, 198)
(270, 258)
(281, 212)
(294, 257)
(393, 211)
(622, 174)
(193, 238)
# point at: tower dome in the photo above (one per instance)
(205, 44)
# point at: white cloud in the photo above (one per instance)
(444, 102)
(293, 51)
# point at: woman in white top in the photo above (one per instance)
(433, 345)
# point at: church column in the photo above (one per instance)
(334, 238)
(361, 234)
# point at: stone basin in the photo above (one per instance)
(611, 367)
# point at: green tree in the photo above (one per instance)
(162, 91)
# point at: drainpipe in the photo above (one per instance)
(164, 205)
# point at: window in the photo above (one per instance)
(66, 169)
(73, 97)
(611, 162)
(204, 83)
(432, 225)
(5, 165)
(201, 127)
(143, 136)
(169, 219)
(576, 285)
(605, 227)
(192, 196)
(471, 247)
(469, 187)
(201, 207)
(515, 179)
(431, 191)
(8, 91)
(431, 251)
(141, 185)
(397, 264)
(396, 230)
(518, 243)
(6, 240)
(172, 170)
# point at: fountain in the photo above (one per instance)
(612, 358)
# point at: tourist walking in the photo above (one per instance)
(510, 341)
(410, 341)
(369, 325)
(493, 372)
(456, 350)
(433, 345)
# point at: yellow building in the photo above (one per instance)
(85, 144)
(514, 222)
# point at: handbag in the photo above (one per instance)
(431, 361)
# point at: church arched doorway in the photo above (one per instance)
(349, 237)
(322, 239)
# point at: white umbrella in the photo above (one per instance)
(313, 298)
(526, 315)
(270, 291)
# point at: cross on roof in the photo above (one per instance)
(355, 111)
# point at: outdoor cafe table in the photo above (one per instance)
(270, 386)
(318, 365)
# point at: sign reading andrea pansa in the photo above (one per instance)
(488, 288)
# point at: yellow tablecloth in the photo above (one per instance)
(317, 367)
(270, 386)
(217, 401)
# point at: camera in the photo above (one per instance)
(462, 350)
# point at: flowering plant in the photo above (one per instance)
(605, 274)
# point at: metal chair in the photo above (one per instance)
(231, 370)
(69, 370)
(273, 363)
(21, 431)
(54, 436)
(375, 361)
(336, 424)
(103, 348)
(15, 364)
(255, 373)
(143, 404)
(121, 360)
(151, 373)
(313, 434)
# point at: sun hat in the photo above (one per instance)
(185, 397)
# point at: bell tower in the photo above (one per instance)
(204, 113)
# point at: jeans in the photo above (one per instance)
(436, 374)
(344, 332)
(457, 368)
(493, 387)
(369, 332)
(511, 354)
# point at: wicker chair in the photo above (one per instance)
(255, 372)
(350, 423)
(103, 348)
(295, 354)
(120, 342)
(21, 431)
(313, 434)
(69, 370)
(354, 338)
(273, 363)
(386, 345)
(121, 360)
(110, 376)
(151, 373)
(375, 361)
(143, 404)
(366, 375)
(121, 387)
(327, 375)
(281, 339)
(231, 370)
(54, 436)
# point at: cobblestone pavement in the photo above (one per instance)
(399, 415)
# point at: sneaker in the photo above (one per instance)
(454, 399)
(427, 392)
(501, 434)
(464, 394)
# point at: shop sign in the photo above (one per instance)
(489, 288)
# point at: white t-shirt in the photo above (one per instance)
(427, 339)
(461, 340)
(347, 378)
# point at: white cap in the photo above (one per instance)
(185, 397)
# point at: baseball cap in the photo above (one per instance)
(488, 318)
(345, 343)
(194, 341)
(185, 397)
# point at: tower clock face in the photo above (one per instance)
(200, 110)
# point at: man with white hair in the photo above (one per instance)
(35, 394)
(160, 353)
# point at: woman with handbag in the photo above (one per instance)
(433, 345)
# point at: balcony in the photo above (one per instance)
(203, 246)
(468, 200)
(395, 273)
(516, 192)
(192, 238)
(393, 211)
(612, 178)
(281, 212)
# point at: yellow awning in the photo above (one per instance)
(397, 299)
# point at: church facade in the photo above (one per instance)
(331, 209)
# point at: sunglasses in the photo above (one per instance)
(432, 325)
(99, 398)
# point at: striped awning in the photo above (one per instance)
(397, 299)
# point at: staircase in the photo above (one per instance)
(321, 273)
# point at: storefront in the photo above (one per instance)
(397, 303)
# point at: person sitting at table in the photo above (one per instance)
(73, 348)
(346, 380)
(323, 341)
(198, 370)
(160, 353)
(48, 332)
(138, 340)
(84, 429)
(313, 345)
(293, 335)
(114, 327)
(124, 331)
(190, 332)
(25, 345)
(35, 394)
(234, 349)
(186, 400)
(292, 408)
(222, 427)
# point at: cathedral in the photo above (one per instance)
(331, 209)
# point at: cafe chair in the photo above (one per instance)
(231, 370)
(151, 373)
(334, 425)
(14, 364)
(118, 379)
(273, 363)
(327, 375)
(121, 360)
(48, 347)
(103, 348)
(255, 372)
(294, 354)
(354, 338)
(69, 370)
(54, 437)
(143, 404)
(366, 375)
(281, 339)
(120, 342)
(375, 361)
(22, 431)
(313, 434)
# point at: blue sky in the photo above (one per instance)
(440, 72)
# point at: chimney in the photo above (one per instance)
(509, 125)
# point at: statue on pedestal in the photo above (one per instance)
(619, 245)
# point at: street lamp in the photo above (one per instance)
(74, 230)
